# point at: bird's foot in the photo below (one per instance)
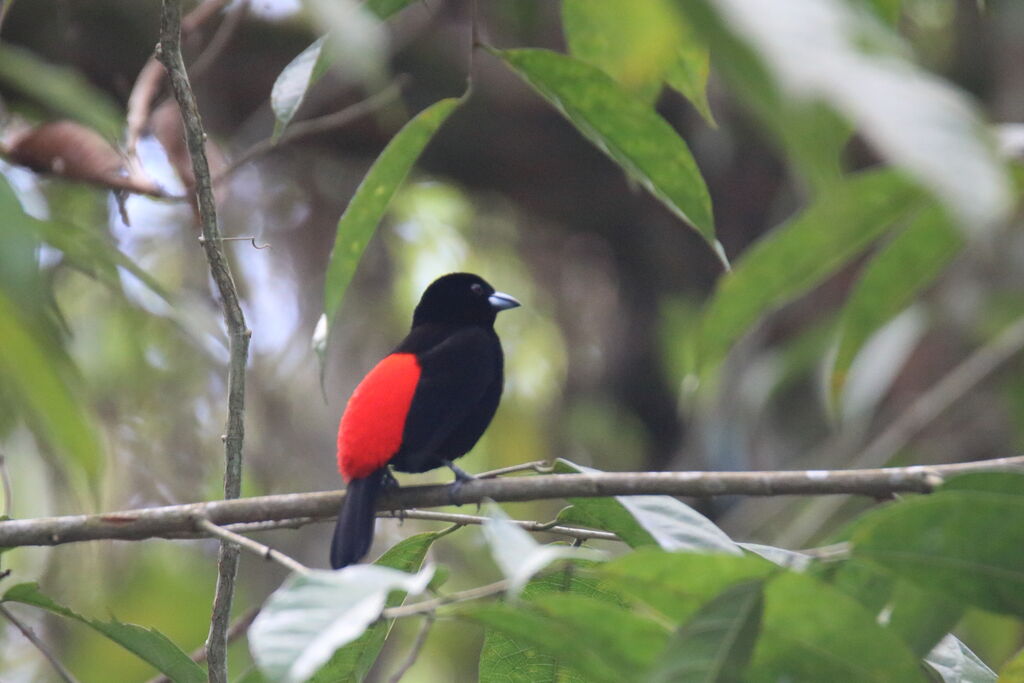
(390, 485)
(461, 477)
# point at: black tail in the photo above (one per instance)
(354, 532)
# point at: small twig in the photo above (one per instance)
(151, 77)
(322, 124)
(264, 551)
(26, 631)
(221, 37)
(169, 54)
(417, 647)
(538, 466)
(552, 527)
(428, 606)
(237, 629)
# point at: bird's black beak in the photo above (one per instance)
(502, 302)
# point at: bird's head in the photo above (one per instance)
(461, 298)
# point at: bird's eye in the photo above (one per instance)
(477, 288)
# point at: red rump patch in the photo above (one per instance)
(371, 428)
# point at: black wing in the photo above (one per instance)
(456, 396)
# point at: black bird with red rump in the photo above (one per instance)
(425, 404)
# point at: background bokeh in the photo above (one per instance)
(610, 280)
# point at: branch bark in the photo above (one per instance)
(169, 54)
(134, 525)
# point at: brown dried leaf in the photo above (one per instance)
(73, 151)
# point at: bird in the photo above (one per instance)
(423, 405)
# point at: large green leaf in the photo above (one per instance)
(833, 52)
(688, 72)
(812, 632)
(385, 8)
(715, 645)
(36, 371)
(506, 659)
(920, 617)
(646, 520)
(640, 48)
(956, 542)
(602, 640)
(61, 89)
(891, 281)
(148, 644)
(677, 584)
(365, 210)
(311, 615)
(800, 254)
(527, 626)
(351, 663)
(294, 82)
(624, 128)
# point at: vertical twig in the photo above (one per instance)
(62, 673)
(417, 647)
(169, 53)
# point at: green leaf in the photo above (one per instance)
(640, 48)
(812, 632)
(385, 8)
(891, 281)
(677, 584)
(33, 368)
(715, 645)
(688, 72)
(523, 624)
(800, 254)
(625, 640)
(955, 663)
(624, 128)
(294, 82)
(953, 542)
(311, 615)
(365, 210)
(836, 53)
(1012, 671)
(520, 557)
(149, 645)
(602, 640)
(510, 660)
(62, 89)
(352, 662)
(647, 520)
(921, 618)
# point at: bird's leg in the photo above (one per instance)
(390, 485)
(461, 477)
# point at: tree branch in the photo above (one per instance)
(309, 127)
(134, 525)
(169, 54)
(414, 652)
(264, 551)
